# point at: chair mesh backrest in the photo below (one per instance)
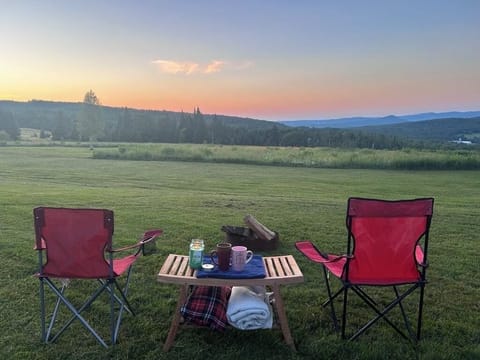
(383, 236)
(75, 241)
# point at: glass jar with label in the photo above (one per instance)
(195, 259)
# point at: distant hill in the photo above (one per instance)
(68, 121)
(448, 129)
(353, 122)
(42, 114)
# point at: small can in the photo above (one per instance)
(195, 259)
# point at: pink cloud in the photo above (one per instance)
(214, 66)
(188, 67)
(175, 67)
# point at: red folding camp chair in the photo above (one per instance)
(77, 244)
(387, 247)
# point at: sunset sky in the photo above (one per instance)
(265, 59)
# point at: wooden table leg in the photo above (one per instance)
(282, 317)
(176, 318)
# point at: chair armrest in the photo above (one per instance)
(147, 237)
(308, 249)
(419, 257)
(42, 246)
(333, 258)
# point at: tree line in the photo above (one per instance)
(90, 121)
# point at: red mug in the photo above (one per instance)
(221, 256)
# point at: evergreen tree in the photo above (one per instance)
(90, 124)
(62, 128)
(124, 130)
(199, 127)
(9, 125)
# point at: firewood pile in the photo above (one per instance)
(256, 236)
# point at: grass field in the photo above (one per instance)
(193, 200)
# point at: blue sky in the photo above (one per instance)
(266, 59)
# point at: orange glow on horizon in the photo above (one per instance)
(255, 99)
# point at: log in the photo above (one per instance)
(261, 230)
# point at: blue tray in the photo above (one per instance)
(254, 269)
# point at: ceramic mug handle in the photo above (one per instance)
(213, 257)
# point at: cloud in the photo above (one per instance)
(188, 68)
(214, 66)
(175, 67)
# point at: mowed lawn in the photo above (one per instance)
(190, 200)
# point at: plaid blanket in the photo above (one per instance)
(207, 306)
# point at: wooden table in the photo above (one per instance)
(280, 270)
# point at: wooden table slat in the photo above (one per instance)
(267, 261)
(295, 268)
(176, 265)
(286, 266)
(278, 267)
(182, 271)
(167, 265)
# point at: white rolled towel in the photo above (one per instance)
(248, 309)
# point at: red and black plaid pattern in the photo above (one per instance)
(207, 306)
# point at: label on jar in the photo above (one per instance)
(196, 258)
(196, 253)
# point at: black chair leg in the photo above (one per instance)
(330, 299)
(420, 311)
